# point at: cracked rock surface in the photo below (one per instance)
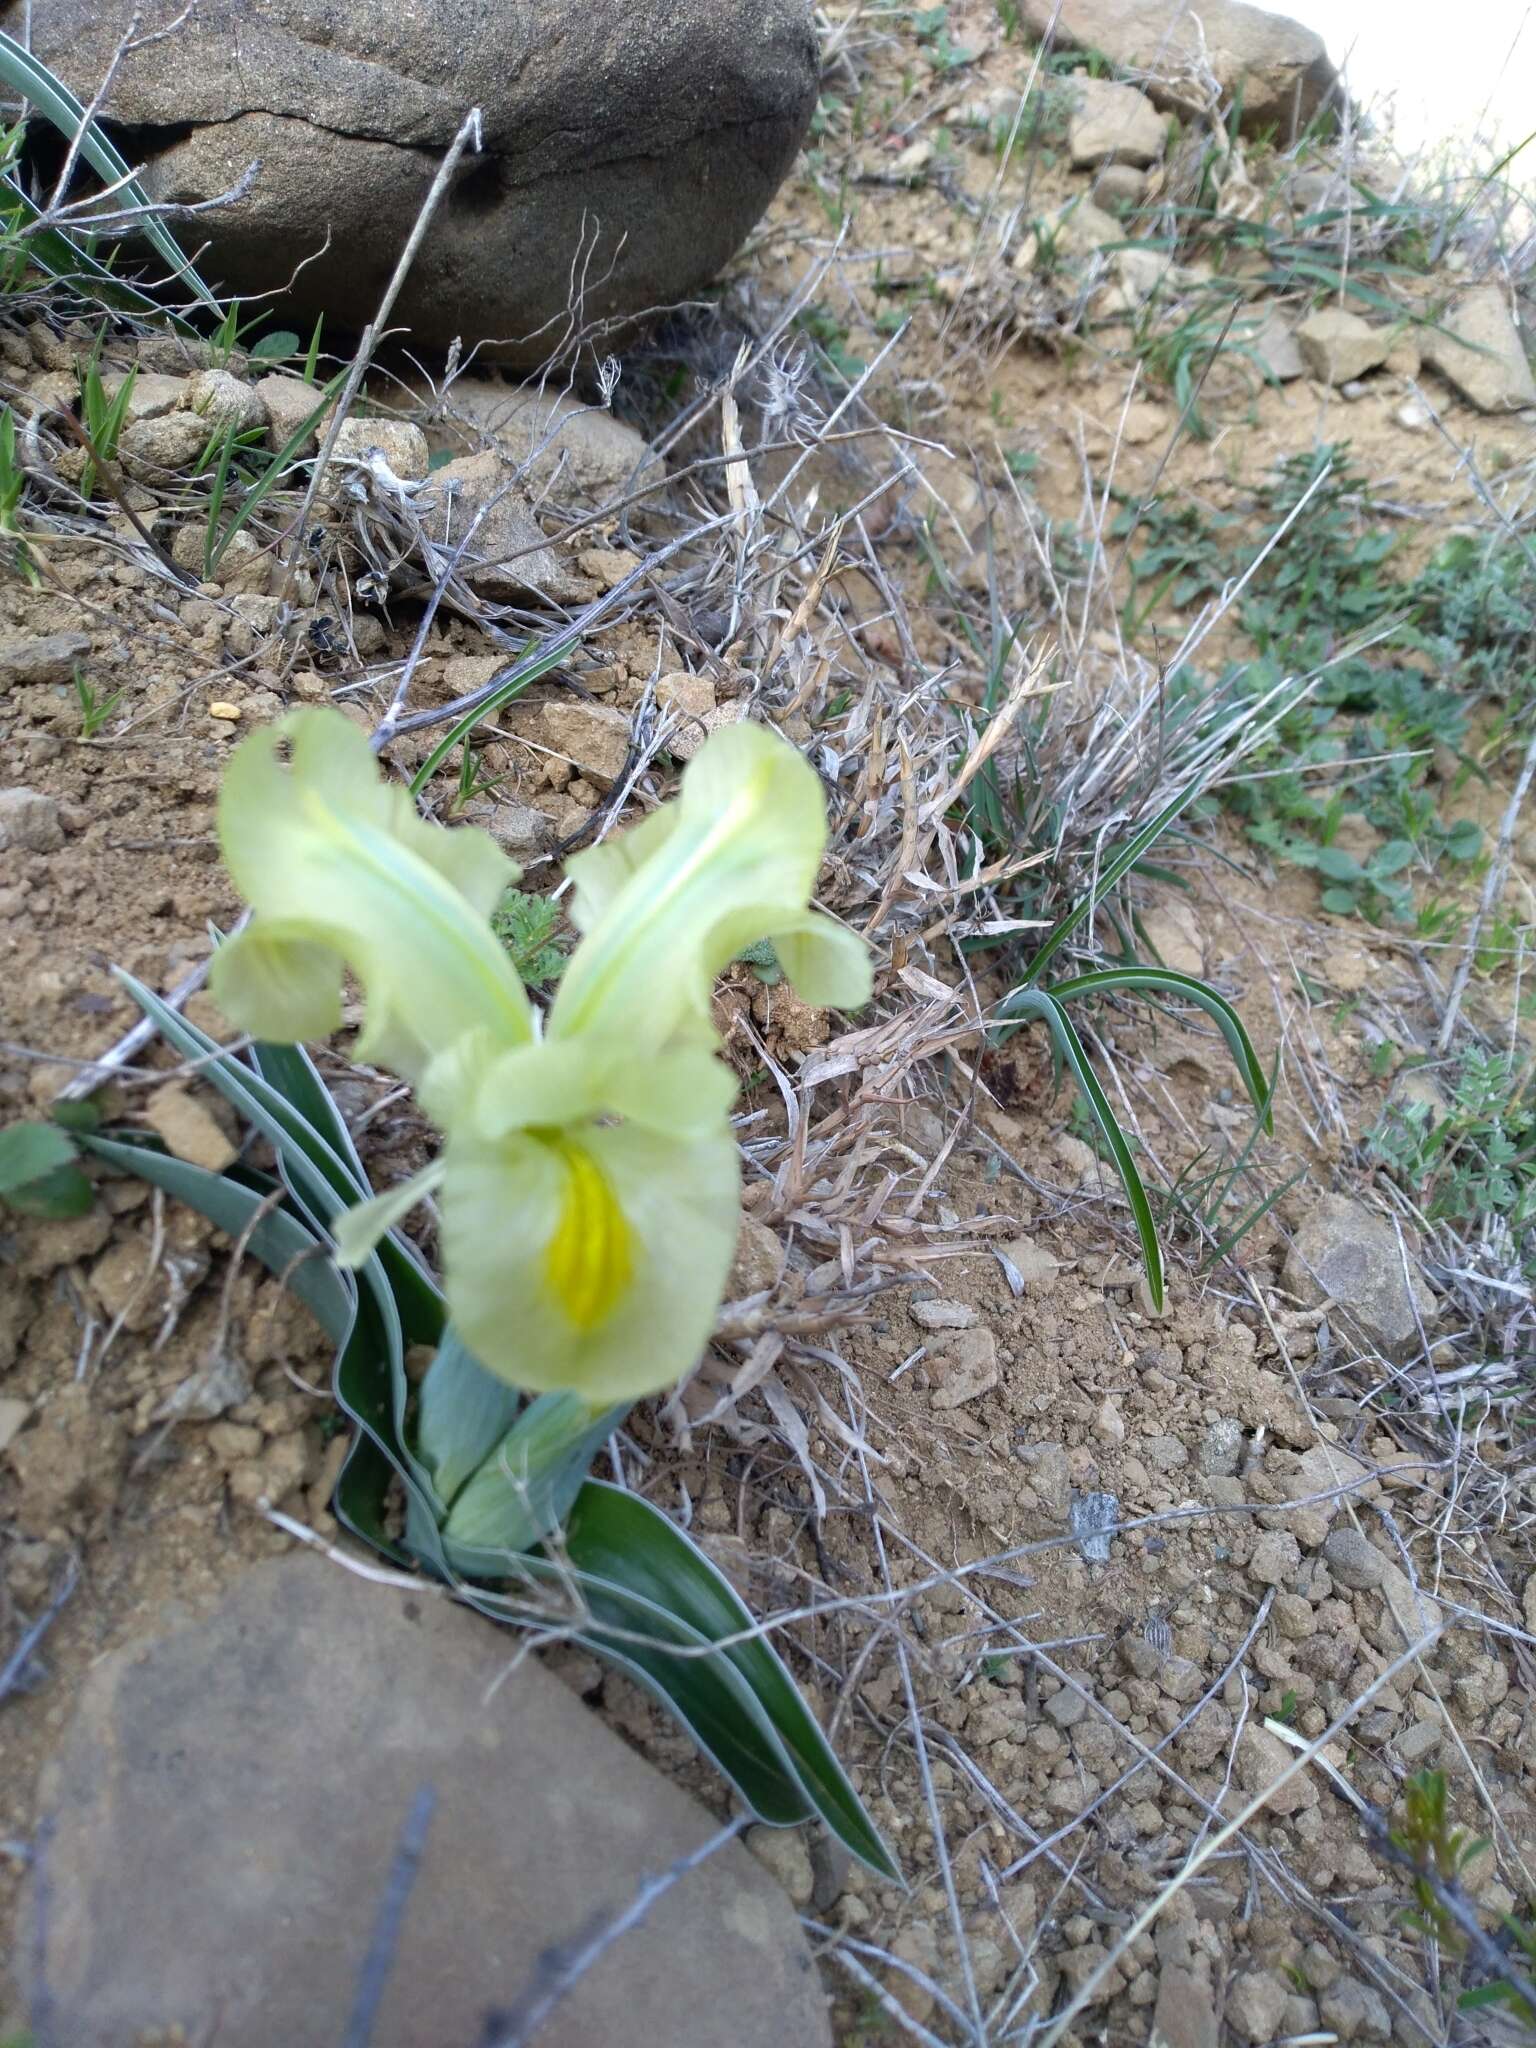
(632, 141)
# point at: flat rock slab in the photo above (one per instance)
(229, 1801)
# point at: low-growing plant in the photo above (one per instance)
(13, 484)
(39, 1173)
(27, 239)
(529, 927)
(94, 710)
(1438, 1855)
(102, 414)
(588, 1190)
(1469, 1158)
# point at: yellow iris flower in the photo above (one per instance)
(589, 1180)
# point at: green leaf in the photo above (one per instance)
(1484, 1995)
(527, 1483)
(1120, 863)
(282, 1243)
(1340, 902)
(1037, 1003)
(1392, 858)
(295, 1081)
(1165, 981)
(56, 1196)
(276, 347)
(1337, 865)
(52, 97)
(463, 1412)
(29, 1152)
(615, 1538)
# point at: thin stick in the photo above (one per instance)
(385, 1938)
(21, 1656)
(1219, 1841)
(469, 131)
(565, 1971)
(1493, 882)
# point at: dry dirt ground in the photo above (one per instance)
(951, 1349)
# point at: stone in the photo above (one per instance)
(1173, 932)
(1272, 345)
(289, 402)
(1353, 1560)
(561, 447)
(1276, 1557)
(629, 145)
(29, 822)
(1119, 188)
(52, 659)
(1337, 346)
(189, 1128)
(1050, 1474)
(1262, 1758)
(758, 1262)
(1108, 1422)
(1256, 2002)
(592, 737)
(1113, 123)
(263, 1724)
(1066, 1707)
(783, 1853)
(689, 702)
(153, 395)
(1355, 2012)
(1417, 1743)
(1477, 347)
(13, 1414)
(965, 1369)
(1294, 1617)
(1185, 2013)
(1092, 1517)
(396, 442)
(1280, 67)
(509, 560)
(162, 445)
(1221, 1446)
(222, 402)
(944, 1315)
(1035, 1266)
(1345, 1254)
(520, 830)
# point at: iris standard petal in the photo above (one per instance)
(737, 864)
(329, 855)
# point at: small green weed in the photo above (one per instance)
(529, 927)
(1439, 1854)
(1475, 1159)
(1393, 666)
(94, 710)
(101, 416)
(13, 483)
(38, 1174)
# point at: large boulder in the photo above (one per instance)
(1280, 68)
(230, 1799)
(629, 145)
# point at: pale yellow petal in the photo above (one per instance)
(275, 985)
(826, 964)
(739, 863)
(595, 1263)
(325, 851)
(356, 1231)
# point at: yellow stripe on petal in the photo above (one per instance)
(590, 1260)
